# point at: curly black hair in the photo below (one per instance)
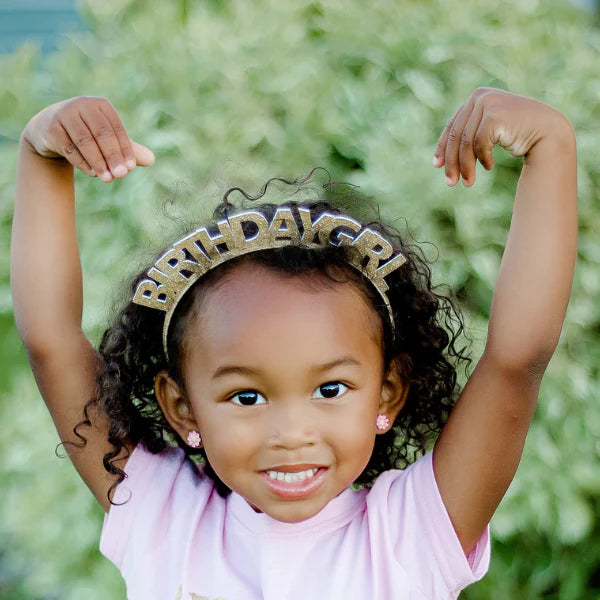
(423, 345)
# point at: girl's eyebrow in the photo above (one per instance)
(230, 369)
(243, 370)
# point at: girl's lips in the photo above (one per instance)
(295, 490)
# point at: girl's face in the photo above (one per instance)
(284, 378)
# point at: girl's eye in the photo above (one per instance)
(330, 390)
(248, 398)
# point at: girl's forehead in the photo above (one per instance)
(255, 311)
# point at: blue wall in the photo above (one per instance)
(39, 21)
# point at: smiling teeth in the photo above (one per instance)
(289, 477)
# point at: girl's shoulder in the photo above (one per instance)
(417, 474)
(160, 491)
(407, 506)
(148, 473)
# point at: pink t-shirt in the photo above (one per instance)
(176, 538)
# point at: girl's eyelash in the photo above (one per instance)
(247, 397)
(331, 389)
(333, 386)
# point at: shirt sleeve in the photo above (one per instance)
(149, 503)
(421, 533)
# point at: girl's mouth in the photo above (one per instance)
(296, 485)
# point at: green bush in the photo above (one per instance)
(234, 92)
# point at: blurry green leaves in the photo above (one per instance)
(427, 89)
(234, 92)
(51, 519)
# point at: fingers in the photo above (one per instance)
(144, 157)
(440, 148)
(465, 140)
(453, 144)
(119, 130)
(484, 143)
(467, 158)
(94, 139)
(70, 150)
(83, 147)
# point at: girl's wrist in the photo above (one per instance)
(25, 143)
(34, 132)
(28, 146)
(556, 142)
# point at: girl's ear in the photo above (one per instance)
(174, 405)
(394, 391)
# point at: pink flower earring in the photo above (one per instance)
(194, 439)
(382, 422)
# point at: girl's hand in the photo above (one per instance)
(490, 117)
(88, 133)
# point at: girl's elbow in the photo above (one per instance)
(521, 360)
(47, 346)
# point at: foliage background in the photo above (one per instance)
(233, 92)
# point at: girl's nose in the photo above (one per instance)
(291, 426)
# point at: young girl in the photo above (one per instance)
(299, 351)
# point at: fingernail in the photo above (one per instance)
(466, 182)
(119, 171)
(449, 181)
(437, 161)
(106, 176)
(130, 164)
(92, 173)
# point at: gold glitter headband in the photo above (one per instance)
(174, 273)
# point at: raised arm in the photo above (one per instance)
(478, 451)
(45, 269)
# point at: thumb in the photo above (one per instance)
(144, 157)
